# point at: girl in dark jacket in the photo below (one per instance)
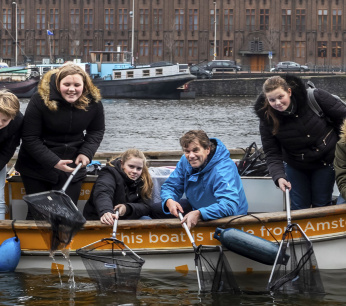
(63, 126)
(124, 184)
(299, 144)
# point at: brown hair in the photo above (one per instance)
(9, 103)
(147, 181)
(269, 85)
(199, 135)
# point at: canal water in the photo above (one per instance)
(154, 125)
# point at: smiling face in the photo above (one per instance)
(71, 87)
(196, 154)
(279, 99)
(4, 120)
(133, 167)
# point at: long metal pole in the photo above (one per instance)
(16, 27)
(214, 30)
(133, 31)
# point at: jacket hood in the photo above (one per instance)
(343, 132)
(298, 92)
(50, 94)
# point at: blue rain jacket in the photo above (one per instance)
(216, 191)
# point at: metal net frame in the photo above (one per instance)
(112, 265)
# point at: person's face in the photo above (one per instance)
(4, 120)
(71, 87)
(196, 154)
(279, 99)
(133, 167)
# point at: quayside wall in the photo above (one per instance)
(252, 86)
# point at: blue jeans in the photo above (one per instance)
(311, 188)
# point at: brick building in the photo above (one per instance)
(309, 32)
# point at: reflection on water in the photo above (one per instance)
(156, 288)
(155, 125)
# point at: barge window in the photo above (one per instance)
(129, 74)
(117, 75)
(146, 73)
(159, 71)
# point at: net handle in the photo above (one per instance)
(288, 207)
(115, 225)
(71, 177)
(187, 231)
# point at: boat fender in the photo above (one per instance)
(10, 253)
(250, 246)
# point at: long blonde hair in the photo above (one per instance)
(147, 188)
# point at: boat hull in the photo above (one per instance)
(22, 89)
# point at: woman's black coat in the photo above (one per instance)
(49, 136)
(114, 187)
(304, 140)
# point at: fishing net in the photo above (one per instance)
(56, 208)
(300, 273)
(112, 265)
(215, 273)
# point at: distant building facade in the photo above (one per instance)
(309, 32)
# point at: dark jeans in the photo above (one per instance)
(32, 186)
(311, 188)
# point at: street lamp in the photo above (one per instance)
(132, 15)
(214, 31)
(16, 27)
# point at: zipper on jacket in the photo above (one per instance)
(324, 139)
(302, 156)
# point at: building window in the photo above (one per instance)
(54, 47)
(322, 49)
(193, 19)
(87, 47)
(179, 19)
(40, 19)
(122, 25)
(228, 48)
(122, 44)
(300, 20)
(143, 48)
(336, 49)
(7, 18)
(109, 19)
(21, 19)
(192, 48)
(74, 15)
(228, 19)
(264, 19)
(157, 47)
(337, 20)
(179, 48)
(54, 19)
(250, 19)
(88, 19)
(212, 20)
(40, 46)
(144, 19)
(300, 49)
(286, 20)
(322, 20)
(6, 47)
(286, 50)
(157, 14)
(109, 45)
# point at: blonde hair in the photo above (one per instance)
(9, 103)
(145, 176)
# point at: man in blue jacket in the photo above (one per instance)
(208, 177)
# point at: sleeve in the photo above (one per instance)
(137, 210)
(340, 168)
(103, 193)
(9, 146)
(94, 133)
(227, 189)
(32, 134)
(173, 187)
(273, 152)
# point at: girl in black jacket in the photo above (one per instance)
(299, 145)
(124, 184)
(63, 126)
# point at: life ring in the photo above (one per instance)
(10, 253)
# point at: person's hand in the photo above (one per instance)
(63, 165)
(81, 158)
(121, 208)
(192, 218)
(174, 207)
(108, 218)
(283, 184)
